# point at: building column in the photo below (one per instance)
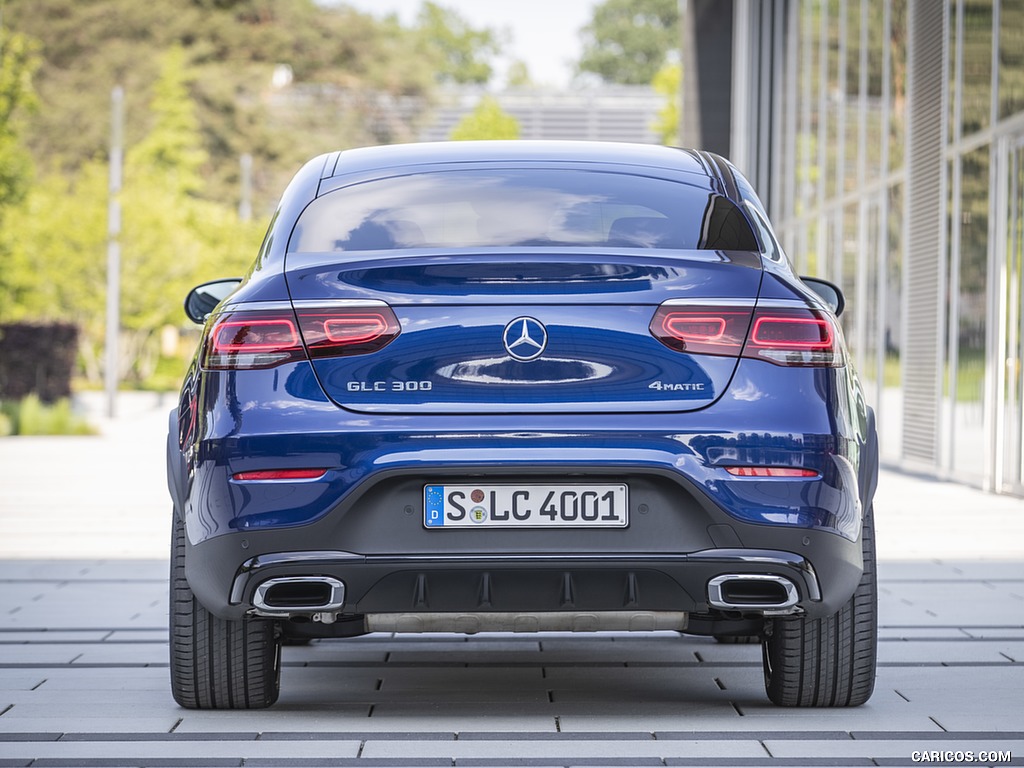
(924, 290)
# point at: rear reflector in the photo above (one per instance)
(280, 474)
(771, 472)
(239, 340)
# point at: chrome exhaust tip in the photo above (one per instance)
(289, 595)
(752, 592)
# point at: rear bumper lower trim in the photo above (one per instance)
(337, 563)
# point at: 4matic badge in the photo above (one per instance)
(666, 386)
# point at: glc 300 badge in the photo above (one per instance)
(525, 338)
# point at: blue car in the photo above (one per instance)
(521, 386)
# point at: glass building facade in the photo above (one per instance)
(887, 140)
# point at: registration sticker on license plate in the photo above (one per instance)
(525, 506)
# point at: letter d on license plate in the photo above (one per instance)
(526, 506)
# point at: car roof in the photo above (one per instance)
(444, 152)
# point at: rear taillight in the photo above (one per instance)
(783, 335)
(702, 330)
(355, 331)
(252, 340)
(264, 339)
(794, 336)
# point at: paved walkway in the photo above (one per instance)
(83, 651)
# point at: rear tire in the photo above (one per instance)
(827, 662)
(217, 663)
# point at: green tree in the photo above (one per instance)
(487, 121)
(171, 237)
(519, 75)
(628, 41)
(461, 53)
(18, 62)
(668, 83)
(54, 267)
(173, 148)
(357, 80)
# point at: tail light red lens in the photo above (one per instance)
(240, 340)
(252, 340)
(702, 330)
(795, 337)
(355, 331)
(789, 336)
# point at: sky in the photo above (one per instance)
(545, 33)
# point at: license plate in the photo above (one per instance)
(525, 506)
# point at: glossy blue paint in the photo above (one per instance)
(278, 418)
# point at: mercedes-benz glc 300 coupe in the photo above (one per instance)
(521, 386)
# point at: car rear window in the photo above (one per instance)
(521, 208)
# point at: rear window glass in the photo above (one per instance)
(521, 208)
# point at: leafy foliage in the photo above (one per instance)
(30, 416)
(628, 41)
(668, 82)
(347, 67)
(171, 238)
(461, 53)
(487, 121)
(18, 62)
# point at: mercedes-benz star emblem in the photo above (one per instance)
(525, 338)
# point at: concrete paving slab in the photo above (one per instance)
(17, 680)
(105, 678)
(900, 634)
(563, 750)
(287, 715)
(111, 708)
(38, 655)
(1008, 720)
(460, 718)
(11, 723)
(943, 652)
(52, 637)
(154, 635)
(145, 752)
(119, 653)
(461, 679)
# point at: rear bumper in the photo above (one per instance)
(691, 522)
(820, 569)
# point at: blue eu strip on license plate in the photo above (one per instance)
(526, 506)
(433, 506)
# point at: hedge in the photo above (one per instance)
(37, 358)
